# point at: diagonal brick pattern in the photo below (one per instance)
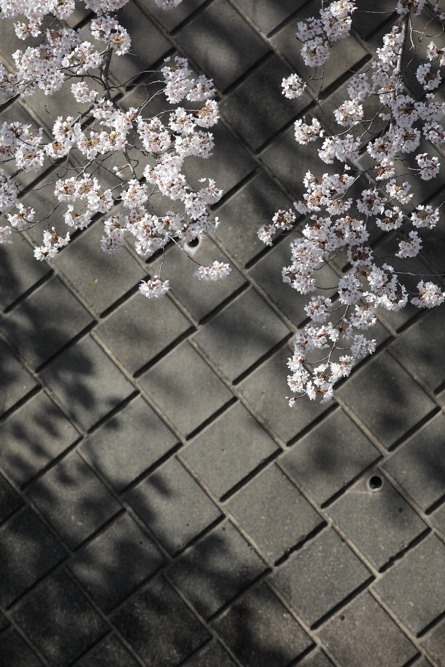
(160, 504)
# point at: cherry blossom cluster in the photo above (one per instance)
(362, 210)
(118, 161)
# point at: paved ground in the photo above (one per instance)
(160, 504)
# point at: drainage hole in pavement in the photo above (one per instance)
(375, 482)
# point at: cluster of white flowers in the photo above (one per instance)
(147, 153)
(345, 209)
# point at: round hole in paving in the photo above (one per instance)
(375, 482)
(193, 244)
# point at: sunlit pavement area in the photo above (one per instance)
(160, 503)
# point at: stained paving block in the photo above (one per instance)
(10, 501)
(418, 465)
(115, 563)
(28, 551)
(393, 402)
(413, 587)
(329, 456)
(316, 658)
(260, 630)
(228, 450)
(109, 652)
(15, 652)
(320, 576)
(159, 626)
(73, 499)
(99, 278)
(16, 282)
(364, 635)
(434, 645)
(376, 519)
(173, 505)
(139, 330)
(422, 347)
(185, 388)
(228, 164)
(268, 15)
(235, 45)
(198, 297)
(273, 512)
(216, 569)
(267, 392)
(253, 205)
(39, 338)
(87, 382)
(17, 382)
(255, 109)
(128, 443)
(241, 334)
(33, 435)
(212, 654)
(59, 620)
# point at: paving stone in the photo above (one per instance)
(99, 278)
(28, 550)
(16, 282)
(255, 109)
(260, 630)
(241, 334)
(128, 444)
(10, 501)
(364, 635)
(170, 19)
(15, 652)
(235, 45)
(344, 54)
(273, 512)
(434, 645)
(413, 587)
(173, 505)
(418, 466)
(316, 659)
(32, 436)
(212, 654)
(216, 569)
(139, 330)
(437, 518)
(393, 402)
(267, 273)
(320, 576)
(73, 499)
(87, 382)
(16, 381)
(229, 163)
(109, 652)
(170, 384)
(268, 15)
(379, 522)
(59, 620)
(40, 332)
(143, 34)
(329, 456)
(159, 626)
(422, 347)
(228, 450)
(116, 562)
(253, 205)
(366, 21)
(290, 161)
(267, 391)
(199, 297)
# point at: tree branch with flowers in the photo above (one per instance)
(389, 135)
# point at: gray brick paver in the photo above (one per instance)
(138, 454)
